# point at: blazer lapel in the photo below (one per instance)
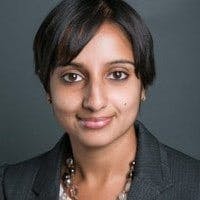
(151, 175)
(47, 181)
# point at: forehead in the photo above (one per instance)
(108, 44)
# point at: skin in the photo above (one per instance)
(100, 82)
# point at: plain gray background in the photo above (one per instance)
(171, 112)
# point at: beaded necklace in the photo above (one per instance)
(71, 190)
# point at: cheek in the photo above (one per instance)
(65, 102)
(126, 100)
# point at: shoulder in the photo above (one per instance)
(18, 179)
(20, 168)
(181, 162)
(184, 170)
(178, 162)
(18, 175)
(26, 167)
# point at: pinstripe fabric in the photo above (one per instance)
(161, 173)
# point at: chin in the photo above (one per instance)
(91, 144)
(99, 138)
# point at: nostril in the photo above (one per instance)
(93, 105)
(95, 97)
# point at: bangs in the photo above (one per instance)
(80, 31)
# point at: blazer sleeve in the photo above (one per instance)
(2, 170)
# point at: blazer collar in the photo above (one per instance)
(47, 181)
(151, 175)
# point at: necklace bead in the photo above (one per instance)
(71, 191)
(122, 196)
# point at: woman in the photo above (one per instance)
(95, 61)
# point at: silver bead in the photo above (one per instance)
(128, 185)
(133, 163)
(69, 162)
(72, 170)
(129, 175)
(68, 182)
(131, 168)
(122, 196)
(67, 176)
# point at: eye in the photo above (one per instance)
(72, 77)
(118, 75)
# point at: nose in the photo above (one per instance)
(95, 96)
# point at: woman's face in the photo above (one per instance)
(96, 97)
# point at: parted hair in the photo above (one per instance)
(72, 24)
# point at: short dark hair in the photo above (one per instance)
(72, 24)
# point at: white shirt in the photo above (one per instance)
(62, 194)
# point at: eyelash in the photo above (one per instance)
(122, 73)
(72, 73)
(125, 75)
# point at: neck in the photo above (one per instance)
(102, 163)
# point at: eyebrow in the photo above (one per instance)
(121, 61)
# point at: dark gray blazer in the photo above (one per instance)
(161, 173)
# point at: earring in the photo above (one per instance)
(143, 98)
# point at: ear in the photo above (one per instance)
(143, 95)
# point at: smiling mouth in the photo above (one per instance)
(95, 123)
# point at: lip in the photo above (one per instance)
(95, 122)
